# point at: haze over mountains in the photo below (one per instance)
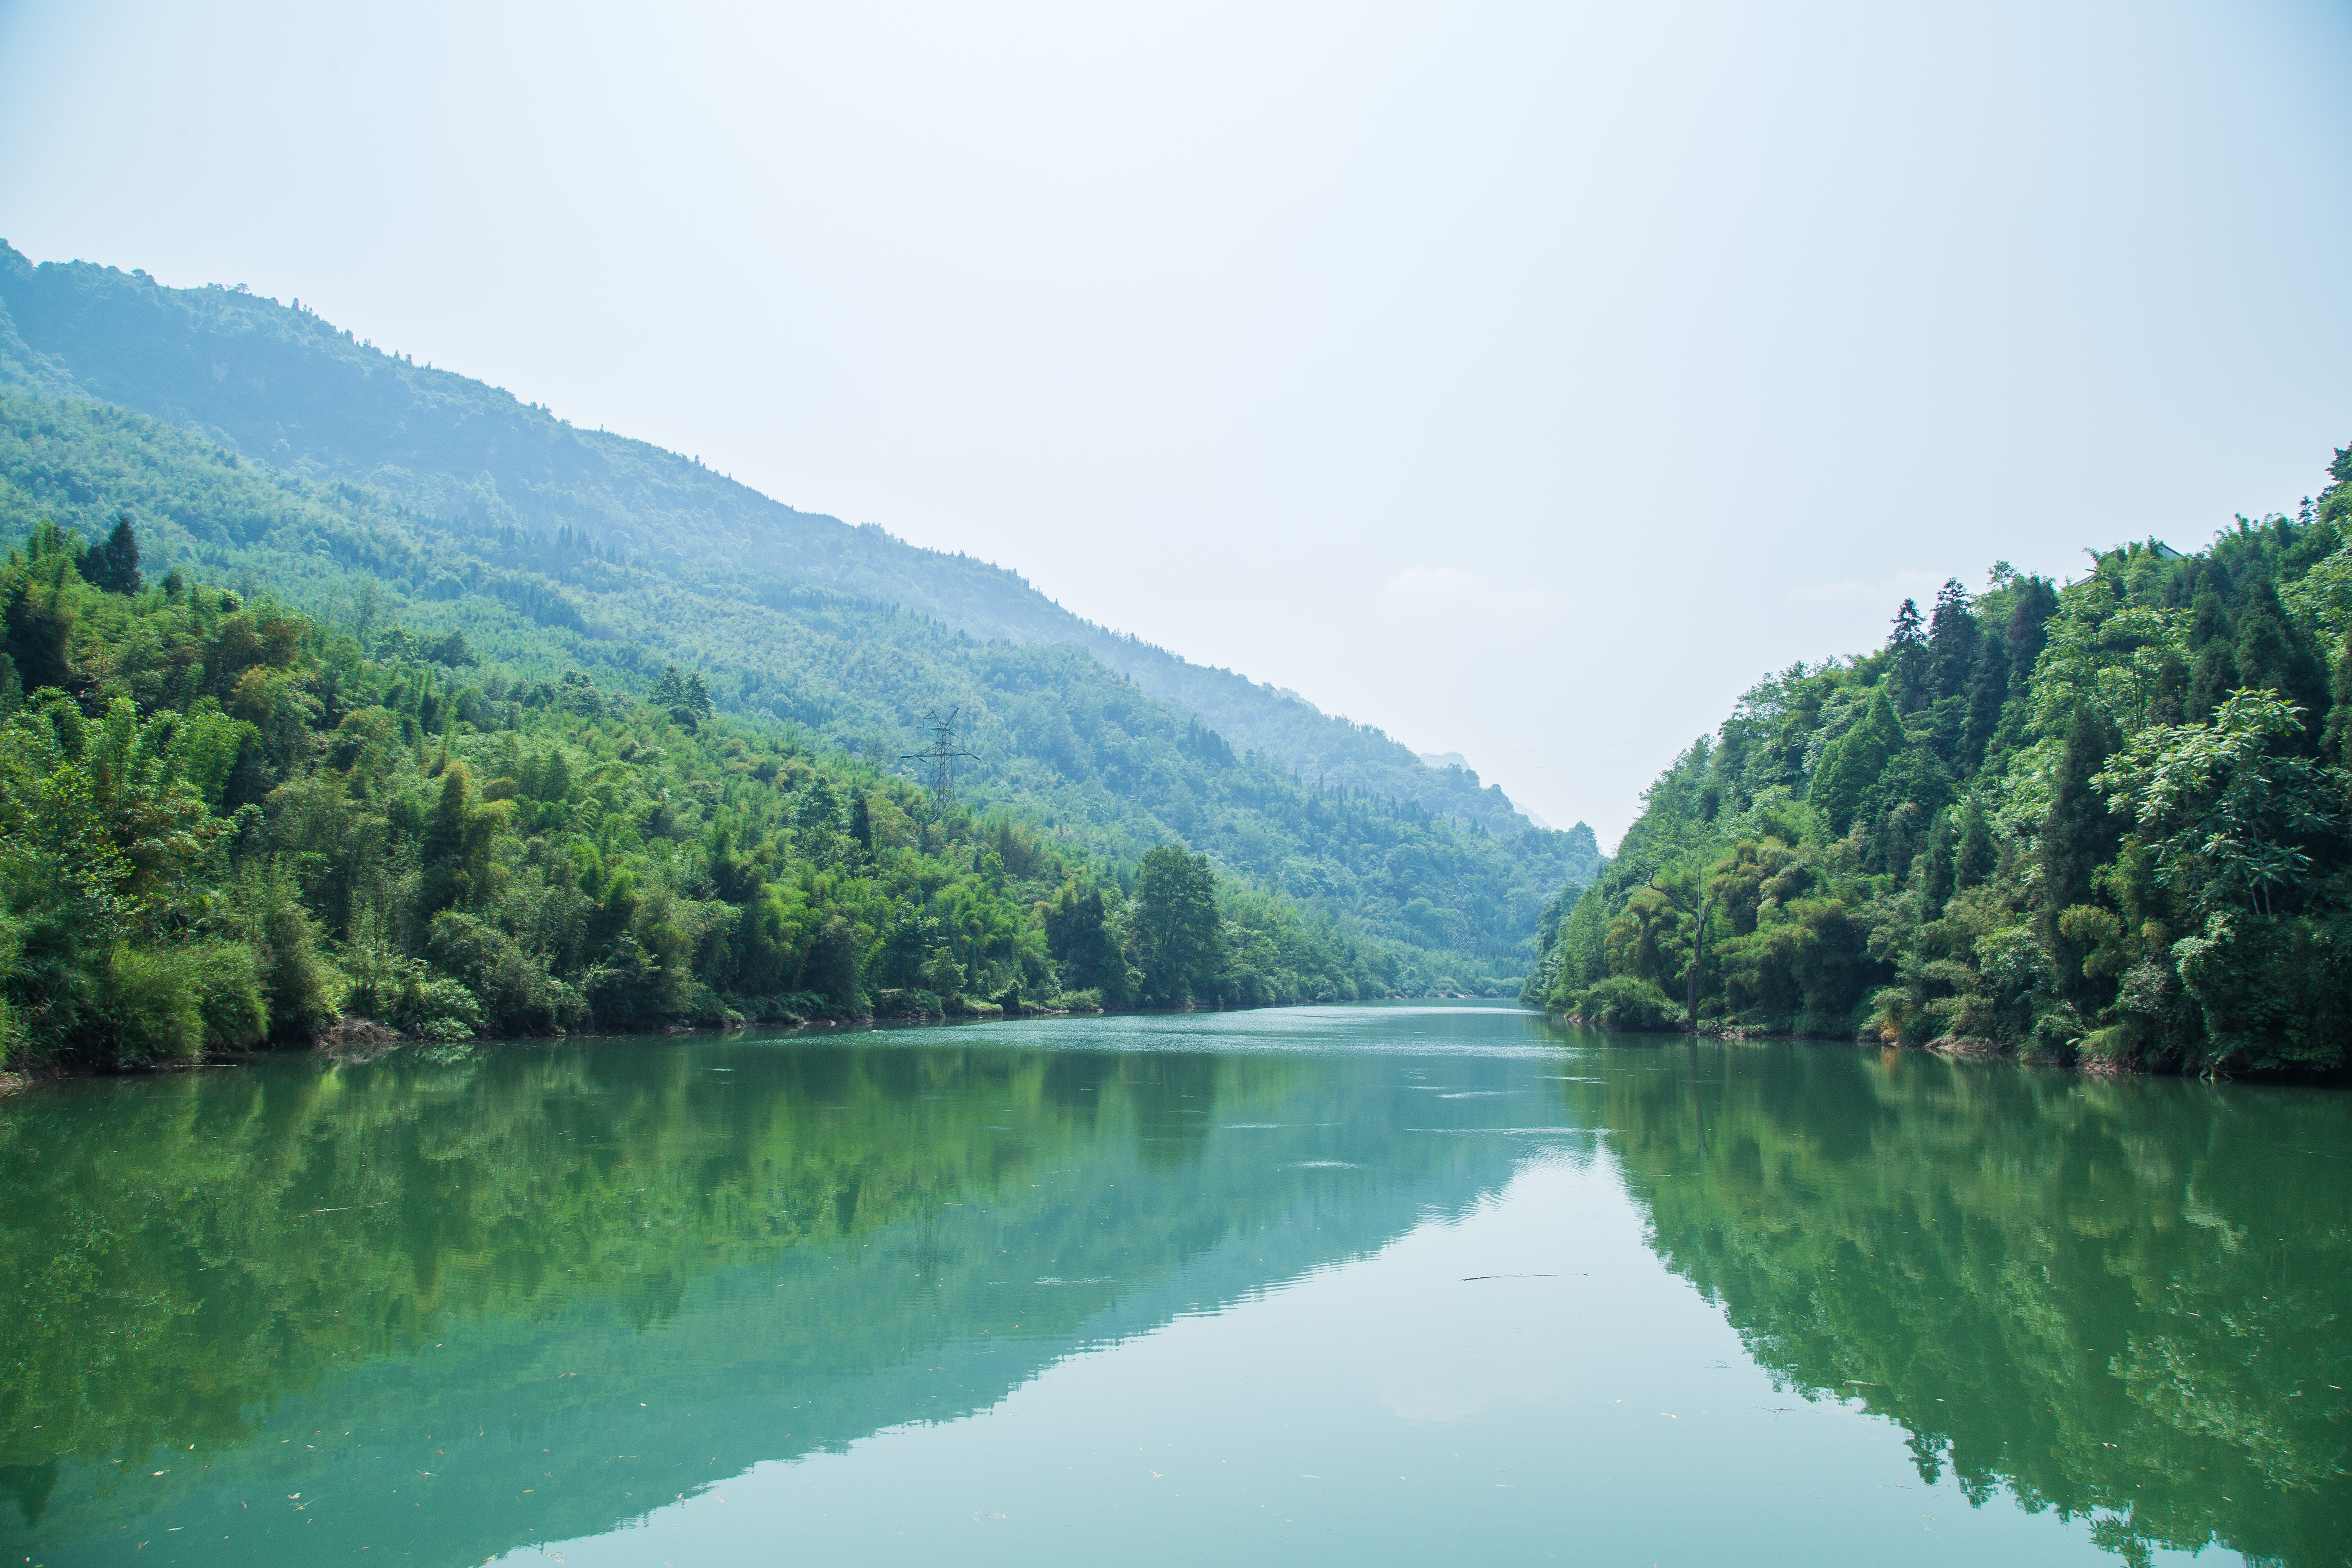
(540, 539)
(284, 386)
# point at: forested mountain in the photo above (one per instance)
(2106, 823)
(454, 508)
(222, 823)
(1072, 747)
(279, 384)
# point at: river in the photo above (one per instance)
(1373, 1284)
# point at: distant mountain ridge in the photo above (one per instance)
(791, 619)
(280, 384)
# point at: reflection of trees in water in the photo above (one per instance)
(227, 1237)
(927, 1246)
(818, 1238)
(179, 1254)
(2116, 1298)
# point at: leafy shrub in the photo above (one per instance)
(1621, 1002)
(518, 995)
(146, 1007)
(439, 1009)
(171, 1003)
(301, 988)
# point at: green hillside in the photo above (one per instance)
(2106, 823)
(279, 384)
(223, 825)
(787, 617)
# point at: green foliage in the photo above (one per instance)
(173, 1002)
(229, 824)
(2106, 821)
(2229, 812)
(455, 507)
(1852, 763)
(682, 695)
(1178, 942)
(114, 565)
(489, 615)
(1622, 1002)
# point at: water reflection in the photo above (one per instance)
(447, 1308)
(2117, 1298)
(451, 1307)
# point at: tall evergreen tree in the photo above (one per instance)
(1988, 690)
(1975, 857)
(2214, 661)
(1952, 639)
(1085, 947)
(1852, 763)
(2078, 834)
(114, 565)
(1910, 660)
(2274, 652)
(2335, 744)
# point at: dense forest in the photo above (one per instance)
(282, 386)
(223, 823)
(2105, 823)
(1057, 739)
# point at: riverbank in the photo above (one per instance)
(1969, 1047)
(365, 1038)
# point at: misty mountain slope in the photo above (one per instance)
(1058, 738)
(279, 384)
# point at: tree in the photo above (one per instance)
(2274, 652)
(2211, 636)
(942, 974)
(2335, 742)
(1952, 639)
(114, 565)
(37, 608)
(682, 695)
(1852, 764)
(2229, 810)
(459, 841)
(452, 650)
(1910, 657)
(1178, 944)
(1974, 859)
(1083, 944)
(2078, 835)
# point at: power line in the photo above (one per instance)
(940, 758)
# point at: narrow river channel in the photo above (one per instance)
(1392, 1284)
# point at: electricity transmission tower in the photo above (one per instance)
(940, 759)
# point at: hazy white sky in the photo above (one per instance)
(1524, 379)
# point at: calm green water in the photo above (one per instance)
(1345, 1285)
